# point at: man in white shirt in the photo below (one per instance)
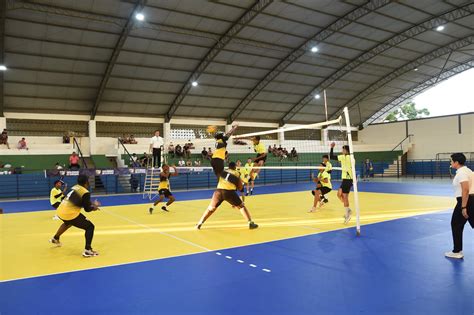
(156, 143)
(463, 184)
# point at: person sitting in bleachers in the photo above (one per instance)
(131, 140)
(204, 154)
(144, 159)
(22, 144)
(178, 151)
(186, 151)
(4, 138)
(294, 154)
(66, 138)
(209, 153)
(171, 150)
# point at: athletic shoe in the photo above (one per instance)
(313, 209)
(150, 210)
(347, 216)
(252, 225)
(55, 242)
(198, 226)
(90, 253)
(251, 192)
(454, 255)
(325, 200)
(247, 193)
(164, 209)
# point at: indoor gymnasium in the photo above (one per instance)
(236, 157)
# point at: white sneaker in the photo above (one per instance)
(347, 216)
(90, 253)
(313, 209)
(321, 204)
(459, 255)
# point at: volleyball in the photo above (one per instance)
(211, 129)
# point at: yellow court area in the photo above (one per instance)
(128, 233)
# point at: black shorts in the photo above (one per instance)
(56, 205)
(323, 190)
(217, 166)
(346, 186)
(166, 192)
(231, 196)
(261, 157)
(80, 221)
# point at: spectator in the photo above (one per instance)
(66, 138)
(294, 154)
(178, 151)
(58, 166)
(189, 163)
(269, 149)
(144, 159)
(171, 150)
(181, 162)
(134, 162)
(204, 153)
(190, 145)
(280, 148)
(74, 161)
(132, 140)
(22, 144)
(209, 153)
(368, 169)
(186, 151)
(4, 138)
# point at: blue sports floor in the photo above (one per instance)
(395, 267)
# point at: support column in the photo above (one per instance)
(92, 137)
(3, 123)
(166, 133)
(228, 127)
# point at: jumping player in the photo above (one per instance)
(164, 188)
(227, 190)
(346, 175)
(219, 155)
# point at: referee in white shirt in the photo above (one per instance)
(156, 143)
(463, 184)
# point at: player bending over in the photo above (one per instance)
(69, 211)
(227, 190)
(164, 187)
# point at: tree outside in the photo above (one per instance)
(407, 111)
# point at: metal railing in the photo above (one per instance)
(120, 142)
(400, 144)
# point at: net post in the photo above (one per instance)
(356, 191)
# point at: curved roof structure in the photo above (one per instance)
(252, 60)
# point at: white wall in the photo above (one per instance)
(431, 136)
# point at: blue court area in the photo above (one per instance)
(394, 267)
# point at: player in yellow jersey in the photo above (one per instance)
(164, 188)
(252, 175)
(69, 211)
(346, 175)
(56, 195)
(323, 186)
(328, 168)
(244, 176)
(219, 155)
(227, 191)
(259, 160)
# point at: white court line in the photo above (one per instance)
(218, 253)
(157, 230)
(228, 257)
(240, 261)
(266, 270)
(252, 265)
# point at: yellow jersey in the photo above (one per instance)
(346, 166)
(225, 184)
(328, 167)
(71, 206)
(221, 147)
(56, 195)
(260, 148)
(244, 174)
(325, 175)
(164, 182)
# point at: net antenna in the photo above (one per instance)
(325, 104)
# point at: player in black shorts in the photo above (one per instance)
(323, 187)
(227, 191)
(164, 188)
(219, 155)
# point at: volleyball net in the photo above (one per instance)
(294, 153)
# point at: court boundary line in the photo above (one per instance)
(221, 249)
